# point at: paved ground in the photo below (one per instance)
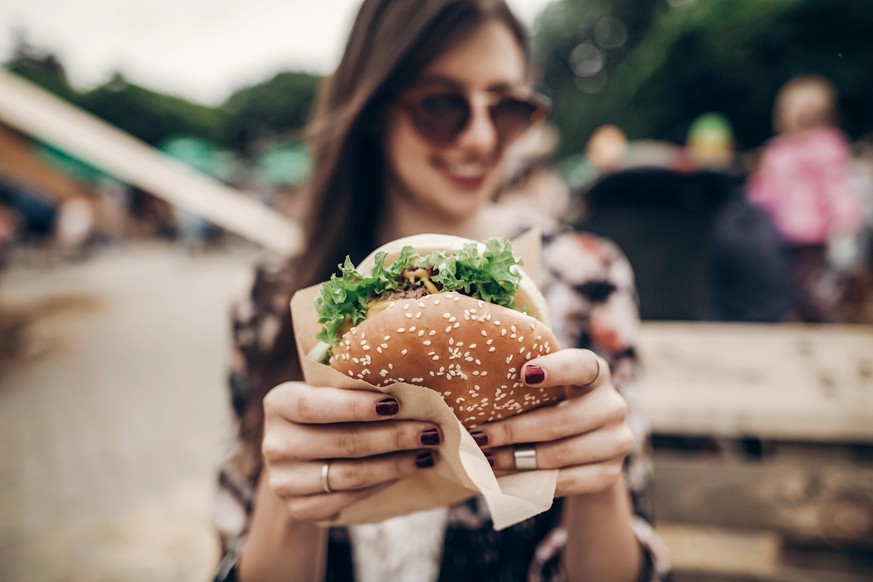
(112, 414)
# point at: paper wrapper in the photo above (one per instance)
(462, 470)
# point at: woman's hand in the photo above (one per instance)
(306, 427)
(586, 436)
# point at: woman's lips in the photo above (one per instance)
(467, 176)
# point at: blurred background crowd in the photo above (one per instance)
(751, 122)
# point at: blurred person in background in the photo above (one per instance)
(804, 180)
(410, 136)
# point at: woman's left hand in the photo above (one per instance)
(586, 436)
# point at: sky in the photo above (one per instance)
(198, 49)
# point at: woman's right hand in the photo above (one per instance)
(353, 430)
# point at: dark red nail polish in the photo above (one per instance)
(424, 460)
(490, 458)
(534, 374)
(430, 437)
(480, 437)
(387, 406)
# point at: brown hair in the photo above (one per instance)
(390, 43)
(804, 102)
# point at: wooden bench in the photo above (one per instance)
(763, 449)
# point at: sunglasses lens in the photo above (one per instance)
(441, 117)
(512, 116)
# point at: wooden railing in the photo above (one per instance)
(764, 449)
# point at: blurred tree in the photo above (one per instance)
(729, 56)
(270, 109)
(150, 116)
(578, 45)
(40, 67)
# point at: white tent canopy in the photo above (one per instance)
(37, 113)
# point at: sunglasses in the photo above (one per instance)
(441, 115)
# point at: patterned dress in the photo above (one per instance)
(589, 286)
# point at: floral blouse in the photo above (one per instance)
(589, 286)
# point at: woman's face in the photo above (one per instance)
(451, 181)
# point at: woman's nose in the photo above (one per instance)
(479, 136)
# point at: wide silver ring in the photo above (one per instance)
(525, 458)
(325, 473)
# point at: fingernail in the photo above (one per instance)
(424, 460)
(490, 458)
(480, 437)
(430, 437)
(534, 374)
(387, 406)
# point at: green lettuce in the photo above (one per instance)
(488, 275)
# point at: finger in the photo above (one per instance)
(306, 478)
(291, 442)
(302, 403)
(570, 367)
(585, 479)
(325, 506)
(578, 415)
(614, 443)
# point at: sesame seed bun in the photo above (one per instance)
(469, 351)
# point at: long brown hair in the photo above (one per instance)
(390, 43)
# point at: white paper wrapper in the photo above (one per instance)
(462, 470)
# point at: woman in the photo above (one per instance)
(409, 137)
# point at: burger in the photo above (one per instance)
(446, 313)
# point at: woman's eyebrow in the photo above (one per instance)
(443, 80)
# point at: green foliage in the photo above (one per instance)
(728, 56)
(152, 117)
(273, 108)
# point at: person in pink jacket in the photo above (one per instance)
(804, 181)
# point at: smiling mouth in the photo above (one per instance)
(467, 171)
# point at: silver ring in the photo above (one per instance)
(525, 458)
(325, 470)
(596, 374)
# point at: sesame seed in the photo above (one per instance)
(472, 346)
(484, 334)
(432, 332)
(379, 349)
(365, 347)
(436, 358)
(404, 351)
(447, 315)
(527, 356)
(420, 333)
(408, 315)
(521, 351)
(457, 325)
(436, 301)
(448, 329)
(503, 332)
(405, 306)
(421, 304)
(426, 342)
(489, 342)
(491, 349)
(401, 330)
(411, 329)
(520, 338)
(418, 315)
